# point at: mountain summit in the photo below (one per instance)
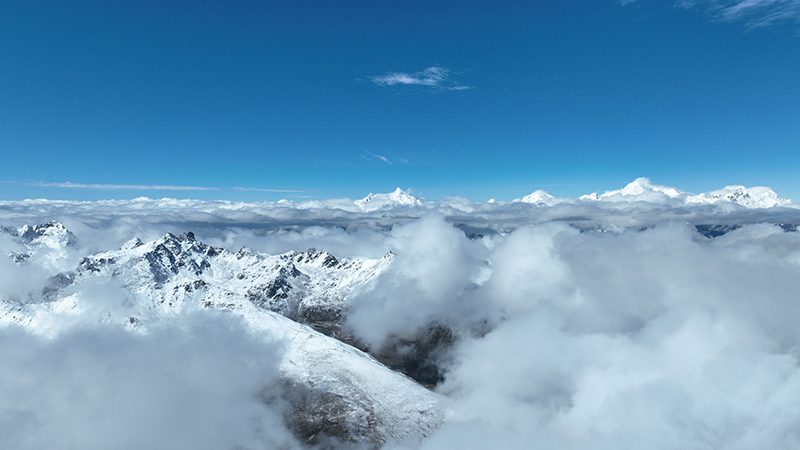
(640, 189)
(398, 197)
(752, 197)
(643, 190)
(538, 198)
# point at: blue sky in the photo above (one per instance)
(264, 100)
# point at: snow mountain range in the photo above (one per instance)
(333, 389)
(643, 190)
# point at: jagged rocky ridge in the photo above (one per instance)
(334, 389)
(51, 235)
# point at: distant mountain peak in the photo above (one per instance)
(398, 197)
(538, 197)
(639, 189)
(748, 197)
(53, 234)
(51, 237)
(643, 190)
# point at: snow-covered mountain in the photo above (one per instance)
(640, 189)
(539, 198)
(752, 197)
(643, 190)
(398, 197)
(52, 235)
(332, 388)
(312, 285)
(49, 241)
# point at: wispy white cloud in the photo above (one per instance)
(123, 187)
(386, 159)
(157, 187)
(755, 13)
(433, 77)
(261, 189)
(752, 13)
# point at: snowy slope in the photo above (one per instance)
(643, 190)
(539, 198)
(398, 197)
(49, 242)
(640, 189)
(294, 284)
(752, 197)
(144, 283)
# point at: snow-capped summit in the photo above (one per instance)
(643, 186)
(640, 189)
(398, 197)
(51, 234)
(643, 190)
(303, 284)
(538, 198)
(749, 197)
(50, 241)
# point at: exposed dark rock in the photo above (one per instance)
(20, 257)
(419, 356)
(56, 283)
(715, 230)
(323, 419)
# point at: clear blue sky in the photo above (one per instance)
(334, 99)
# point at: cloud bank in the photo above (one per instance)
(644, 339)
(634, 320)
(194, 383)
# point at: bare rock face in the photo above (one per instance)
(324, 419)
(420, 356)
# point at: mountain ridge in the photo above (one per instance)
(643, 190)
(277, 296)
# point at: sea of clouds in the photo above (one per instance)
(586, 326)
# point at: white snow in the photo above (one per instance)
(398, 197)
(752, 197)
(175, 275)
(643, 190)
(640, 189)
(539, 198)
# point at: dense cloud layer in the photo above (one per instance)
(189, 384)
(653, 339)
(597, 326)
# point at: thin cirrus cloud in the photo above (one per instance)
(434, 77)
(759, 13)
(124, 187)
(261, 189)
(155, 187)
(386, 159)
(752, 13)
